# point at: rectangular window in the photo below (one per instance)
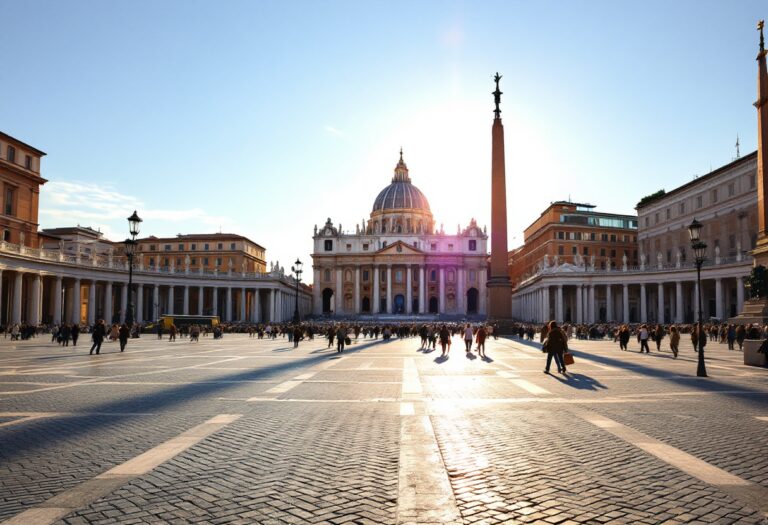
(561, 250)
(398, 276)
(232, 246)
(365, 247)
(365, 275)
(472, 276)
(714, 196)
(699, 202)
(682, 208)
(602, 252)
(151, 261)
(433, 275)
(205, 247)
(167, 247)
(561, 235)
(193, 247)
(433, 247)
(205, 261)
(10, 193)
(732, 189)
(574, 250)
(647, 222)
(193, 262)
(11, 154)
(349, 247)
(151, 247)
(669, 256)
(586, 250)
(181, 246)
(472, 246)
(450, 247)
(613, 237)
(7, 235)
(668, 214)
(592, 236)
(626, 238)
(28, 162)
(613, 253)
(655, 218)
(165, 262)
(328, 245)
(220, 246)
(751, 182)
(218, 261)
(178, 261)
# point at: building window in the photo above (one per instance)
(193, 247)
(28, 162)
(178, 261)
(219, 246)
(574, 250)
(668, 214)
(655, 218)
(193, 262)
(714, 196)
(626, 238)
(433, 246)
(151, 247)
(433, 275)
(602, 252)
(205, 247)
(669, 256)
(365, 247)
(472, 276)
(450, 247)
(327, 276)
(205, 261)
(366, 275)
(699, 202)
(682, 208)
(647, 222)
(586, 250)
(560, 250)
(613, 237)
(613, 253)
(349, 247)
(11, 154)
(398, 276)
(7, 235)
(9, 195)
(751, 182)
(592, 236)
(167, 247)
(384, 244)
(218, 261)
(181, 247)
(328, 245)
(472, 246)
(415, 244)
(731, 189)
(561, 236)
(232, 246)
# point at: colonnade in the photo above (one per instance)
(671, 301)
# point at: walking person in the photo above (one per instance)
(480, 338)
(159, 330)
(298, 333)
(674, 340)
(658, 335)
(99, 331)
(642, 336)
(75, 333)
(445, 340)
(341, 335)
(555, 346)
(123, 333)
(624, 337)
(64, 333)
(172, 333)
(468, 335)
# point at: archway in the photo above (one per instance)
(433, 305)
(366, 304)
(399, 304)
(415, 306)
(327, 301)
(472, 295)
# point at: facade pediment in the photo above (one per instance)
(399, 248)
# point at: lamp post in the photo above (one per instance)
(134, 226)
(296, 269)
(700, 254)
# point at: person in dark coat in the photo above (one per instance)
(99, 331)
(123, 333)
(64, 333)
(555, 345)
(75, 333)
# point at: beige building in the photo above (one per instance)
(20, 183)
(218, 252)
(397, 263)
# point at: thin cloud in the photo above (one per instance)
(333, 131)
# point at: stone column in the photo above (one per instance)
(92, 303)
(36, 288)
(389, 289)
(441, 296)
(185, 310)
(409, 289)
(56, 300)
(215, 298)
(739, 294)
(625, 303)
(228, 305)
(171, 300)
(660, 304)
(376, 291)
(243, 297)
(75, 302)
(679, 302)
(545, 308)
(256, 306)
(317, 293)
(18, 281)
(123, 301)
(357, 289)
(591, 306)
(559, 303)
(339, 293)
(643, 305)
(139, 303)
(422, 289)
(608, 303)
(108, 302)
(579, 302)
(482, 275)
(200, 299)
(461, 294)
(719, 298)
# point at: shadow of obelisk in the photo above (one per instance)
(499, 285)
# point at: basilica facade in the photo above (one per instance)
(398, 263)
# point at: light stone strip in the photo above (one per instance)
(411, 382)
(754, 495)
(762, 418)
(285, 386)
(89, 491)
(530, 387)
(25, 419)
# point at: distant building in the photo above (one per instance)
(215, 251)
(398, 263)
(573, 233)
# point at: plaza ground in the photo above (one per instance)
(252, 431)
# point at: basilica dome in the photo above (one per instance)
(400, 194)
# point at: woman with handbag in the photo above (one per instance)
(555, 346)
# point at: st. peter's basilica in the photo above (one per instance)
(398, 263)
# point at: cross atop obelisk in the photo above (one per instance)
(497, 96)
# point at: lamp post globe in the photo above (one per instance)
(699, 248)
(134, 224)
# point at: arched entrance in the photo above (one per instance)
(327, 301)
(399, 304)
(433, 305)
(366, 304)
(415, 306)
(472, 295)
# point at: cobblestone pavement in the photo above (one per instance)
(252, 431)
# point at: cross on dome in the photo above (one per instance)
(401, 170)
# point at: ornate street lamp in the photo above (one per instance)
(700, 255)
(296, 269)
(134, 226)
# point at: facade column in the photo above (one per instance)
(482, 275)
(389, 289)
(625, 304)
(215, 299)
(559, 304)
(272, 303)
(739, 295)
(200, 299)
(441, 297)
(545, 318)
(660, 305)
(139, 318)
(339, 294)
(171, 300)
(591, 305)
(18, 281)
(679, 302)
(185, 310)
(228, 305)
(719, 299)
(36, 289)
(422, 289)
(376, 291)
(57, 286)
(643, 305)
(579, 303)
(92, 303)
(242, 305)
(409, 289)
(317, 297)
(123, 301)
(608, 303)
(357, 290)
(108, 302)
(75, 301)
(461, 291)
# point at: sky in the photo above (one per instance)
(265, 118)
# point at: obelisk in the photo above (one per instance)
(760, 253)
(499, 285)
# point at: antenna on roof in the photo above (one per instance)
(738, 154)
